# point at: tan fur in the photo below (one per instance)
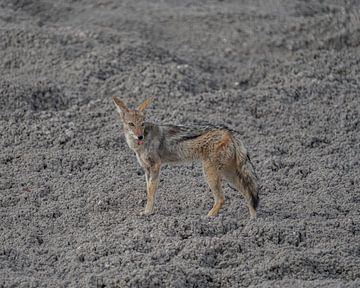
(145, 104)
(221, 153)
(120, 104)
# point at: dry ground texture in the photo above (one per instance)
(283, 73)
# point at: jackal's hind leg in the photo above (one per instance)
(213, 177)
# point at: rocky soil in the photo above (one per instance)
(285, 74)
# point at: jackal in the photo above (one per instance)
(223, 155)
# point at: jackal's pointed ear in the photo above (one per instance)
(121, 107)
(145, 104)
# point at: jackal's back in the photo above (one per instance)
(182, 143)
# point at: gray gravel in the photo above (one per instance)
(285, 74)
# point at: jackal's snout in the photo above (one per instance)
(139, 133)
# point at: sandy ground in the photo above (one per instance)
(285, 74)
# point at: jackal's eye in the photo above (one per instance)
(131, 124)
(143, 124)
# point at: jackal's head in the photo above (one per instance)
(133, 120)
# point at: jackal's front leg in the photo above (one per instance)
(152, 177)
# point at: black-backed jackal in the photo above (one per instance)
(222, 154)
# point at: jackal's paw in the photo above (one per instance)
(213, 213)
(146, 212)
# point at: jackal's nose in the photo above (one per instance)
(141, 137)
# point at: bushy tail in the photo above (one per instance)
(246, 173)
